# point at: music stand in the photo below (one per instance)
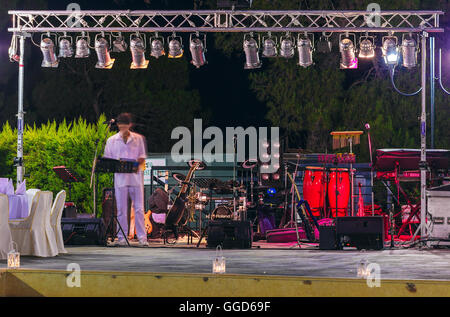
(107, 165)
(67, 176)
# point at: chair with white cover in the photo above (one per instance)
(34, 234)
(55, 220)
(5, 233)
(30, 195)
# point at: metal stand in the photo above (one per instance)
(20, 114)
(111, 223)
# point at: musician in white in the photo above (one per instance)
(130, 146)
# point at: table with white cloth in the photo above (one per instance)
(18, 206)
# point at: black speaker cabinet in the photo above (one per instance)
(83, 231)
(327, 238)
(230, 234)
(360, 232)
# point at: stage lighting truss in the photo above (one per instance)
(138, 44)
(197, 46)
(348, 51)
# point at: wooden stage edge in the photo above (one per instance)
(57, 283)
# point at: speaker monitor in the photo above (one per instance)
(83, 231)
(360, 232)
(327, 238)
(230, 234)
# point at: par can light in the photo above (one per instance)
(48, 53)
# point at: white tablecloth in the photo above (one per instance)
(18, 206)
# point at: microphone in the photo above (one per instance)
(109, 121)
(367, 126)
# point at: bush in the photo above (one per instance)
(70, 144)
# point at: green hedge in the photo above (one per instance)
(70, 144)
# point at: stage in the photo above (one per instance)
(264, 270)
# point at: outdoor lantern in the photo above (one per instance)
(269, 46)
(13, 256)
(305, 49)
(287, 46)
(137, 47)
(104, 59)
(119, 44)
(157, 46)
(197, 48)
(348, 55)
(390, 50)
(409, 52)
(48, 52)
(366, 47)
(362, 270)
(82, 48)
(65, 47)
(219, 264)
(175, 47)
(251, 52)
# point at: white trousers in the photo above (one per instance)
(136, 194)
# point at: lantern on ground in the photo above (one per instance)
(219, 264)
(13, 256)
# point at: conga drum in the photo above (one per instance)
(314, 188)
(340, 181)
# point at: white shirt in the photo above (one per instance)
(134, 149)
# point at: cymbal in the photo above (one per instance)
(178, 177)
(250, 163)
(200, 167)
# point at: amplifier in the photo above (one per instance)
(83, 231)
(327, 238)
(230, 234)
(360, 232)
(438, 207)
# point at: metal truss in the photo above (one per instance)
(225, 21)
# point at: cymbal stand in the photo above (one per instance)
(292, 220)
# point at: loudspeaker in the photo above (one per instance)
(70, 210)
(327, 238)
(360, 232)
(230, 234)
(83, 231)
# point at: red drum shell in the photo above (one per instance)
(314, 188)
(343, 187)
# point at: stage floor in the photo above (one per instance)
(262, 259)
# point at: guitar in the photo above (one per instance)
(177, 211)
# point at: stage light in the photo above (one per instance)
(102, 49)
(65, 47)
(324, 44)
(366, 47)
(269, 46)
(119, 44)
(157, 46)
(305, 49)
(409, 52)
(48, 52)
(287, 46)
(82, 47)
(390, 50)
(197, 48)
(251, 52)
(137, 48)
(271, 191)
(348, 54)
(175, 46)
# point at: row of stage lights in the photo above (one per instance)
(272, 47)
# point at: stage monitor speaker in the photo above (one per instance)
(360, 232)
(327, 238)
(83, 231)
(230, 234)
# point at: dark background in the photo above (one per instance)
(307, 104)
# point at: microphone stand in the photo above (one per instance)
(371, 168)
(94, 163)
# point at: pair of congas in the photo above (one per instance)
(316, 188)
